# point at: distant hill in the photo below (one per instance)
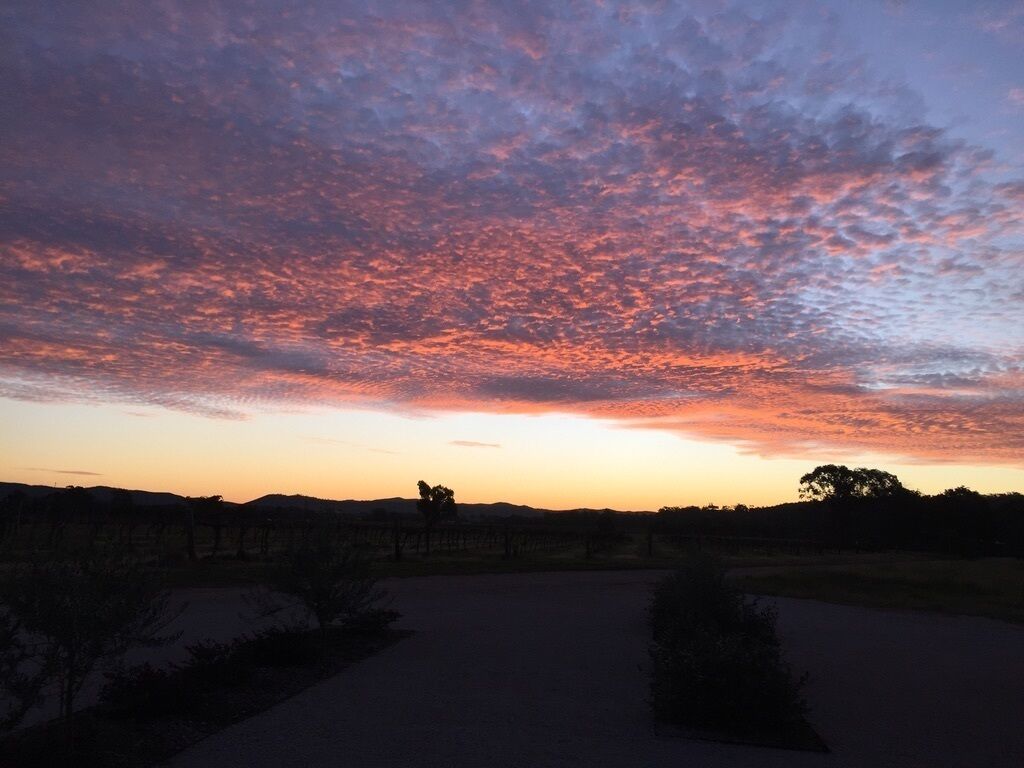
(393, 505)
(99, 492)
(300, 503)
(402, 506)
(345, 507)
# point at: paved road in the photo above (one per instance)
(550, 670)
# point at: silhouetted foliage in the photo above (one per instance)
(21, 676)
(835, 482)
(196, 688)
(435, 503)
(217, 663)
(145, 691)
(716, 658)
(83, 610)
(871, 511)
(876, 513)
(198, 506)
(332, 583)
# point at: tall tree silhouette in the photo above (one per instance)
(836, 482)
(202, 505)
(435, 502)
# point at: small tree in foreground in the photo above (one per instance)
(80, 612)
(332, 583)
(21, 677)
(716, 658)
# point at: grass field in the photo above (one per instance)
(992, 587)
(629, 553)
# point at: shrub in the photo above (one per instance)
(144, 691)
(21, 676)
(372, 621)
(289, 646)
(716, 658)
(83, 610)
(331, 583)
(216, 663)
(694, 595)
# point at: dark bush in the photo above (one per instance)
(718, 680)
(21, 680)
(694, 595)
(716, 659)
(288, 646)
(217, 663)
(145, 691)
(80, 611)
(334, 584)
(372, 621)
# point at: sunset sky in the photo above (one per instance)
(554, 253)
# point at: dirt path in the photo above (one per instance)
(550, 670)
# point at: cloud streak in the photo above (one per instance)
(63, 471)
(718, 223)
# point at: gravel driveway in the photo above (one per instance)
(549, 669)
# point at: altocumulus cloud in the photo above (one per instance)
(714, 222)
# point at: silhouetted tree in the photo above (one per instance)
(963, 494)
(835, 482)
(201, 505)
(330, 582)
(961, 516)
(435, 503)
(828, 482)
(82, 610)
(21, 677)
(876, 484)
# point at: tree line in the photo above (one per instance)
(840, 507)
(871, 509)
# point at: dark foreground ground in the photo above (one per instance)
(550, 669)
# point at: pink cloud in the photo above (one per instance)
(621, 215)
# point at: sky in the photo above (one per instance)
(555, 253)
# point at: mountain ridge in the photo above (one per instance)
(305, 503)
